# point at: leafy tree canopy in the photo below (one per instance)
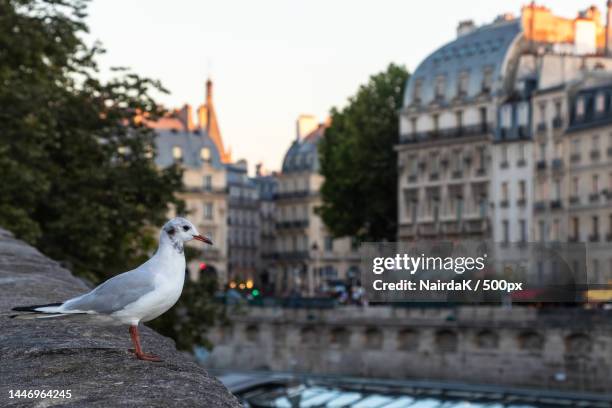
(76, 165)
(359, 162)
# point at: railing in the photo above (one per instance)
(292, 194)
(292, 224)
(557, 122)
(444, 134)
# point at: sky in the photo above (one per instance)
(272, 60)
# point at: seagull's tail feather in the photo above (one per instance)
(39, 311)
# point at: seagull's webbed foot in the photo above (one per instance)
(141, 355)
(148, 357)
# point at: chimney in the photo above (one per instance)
(259, 169)
(465, 27)
(184, 115)
(608, 50)
(209, 92)
(305, 124)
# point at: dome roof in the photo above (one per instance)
(303, 154)
(485, 47)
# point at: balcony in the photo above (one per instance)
(504, 165)
(574, 238)
(556, 204)
(292, 224)
(609, 151)
(609, 237)
(292, 194)
(594, 197)
(594, 237)
(573, 200)
(481, 172)
(521, 202)
(539, 206)
(521, 163)
(504, 204)
(523, 132)
(457, 174)
(557, 165)
(575, 157)
(595, 155)
(412, 178)
(445, 134)
(541, 165)
(434, 176)
(557, 123)
(541, 127)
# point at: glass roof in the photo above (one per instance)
(315, 396)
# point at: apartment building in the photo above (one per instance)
(308, 258)
(446, 126)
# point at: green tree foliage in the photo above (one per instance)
(359, 162)
(77, 177)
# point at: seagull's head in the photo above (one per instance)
(180, 229)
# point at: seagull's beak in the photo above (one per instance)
(203, 239)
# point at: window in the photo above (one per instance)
(557, 189)
(556, 229)
(483, 118)
(576, 147)
(542, 228)
(558, 109)
(522, 189)
(205, 154)
(595, 142)
(459, 119)
(521, 151)
(523, 230)
(542, 112)
(418, 85)
(504, 154)
(413, 125)
(440, 85)
(580, 107)
(575, 186)
(576, 227)
(177, 153)
(506, 116)
(329, 243)
(542, 151)
(487, 79)
(504, 190)
(558, 150)
(435, 121)
(208, 182)
(505, 231)
(595, 183)
(208, 211)
(463, 83)
(523, 113)
(600, 102)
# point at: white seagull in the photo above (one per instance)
(135, 296)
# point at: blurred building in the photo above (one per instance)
(267, 186)
(308, 258)
(505, 133)
(243, 225)
(198, 149)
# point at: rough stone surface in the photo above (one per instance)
(90, 360)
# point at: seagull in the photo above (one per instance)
(135, 296)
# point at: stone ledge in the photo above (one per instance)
(92, 361)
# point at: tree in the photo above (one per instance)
(359, 162)
(77, 176)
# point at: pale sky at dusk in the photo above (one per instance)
(272, 60)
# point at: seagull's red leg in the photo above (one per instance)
(138, 349)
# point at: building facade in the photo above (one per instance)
(197, 148)
(267, 188)
(308, 258)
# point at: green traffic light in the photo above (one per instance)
(255, 292)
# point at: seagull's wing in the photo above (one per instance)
(114, 294)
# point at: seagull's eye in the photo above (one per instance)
(186, 228)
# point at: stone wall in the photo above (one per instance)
(562, 349)
(93, 362)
